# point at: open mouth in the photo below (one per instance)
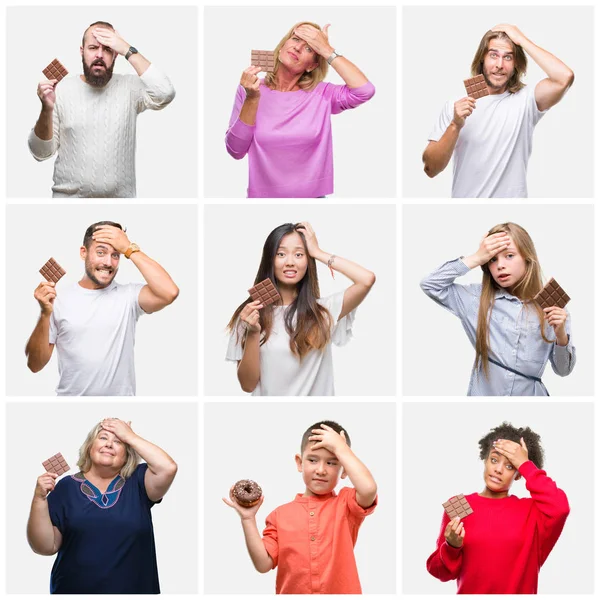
(504, 276)
(290, 273)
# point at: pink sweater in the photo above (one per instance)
(290, 149)
(507, 540)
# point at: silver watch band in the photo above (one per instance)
(333, 56)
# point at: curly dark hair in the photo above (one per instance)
(335, 426)
(507, 431)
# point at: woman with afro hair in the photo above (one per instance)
(500, 547)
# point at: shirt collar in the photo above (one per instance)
(505, 294)
(306, 499)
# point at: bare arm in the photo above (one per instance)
(161, 289)
(437, 155)
(39, 349)
(43, 537)
(249, 367)
(549, 91)
(362, 279)
(256, 548)
(43, 127)
(161, 467)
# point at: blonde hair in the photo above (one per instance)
(525, 289)
(514, 83)
(132, 458)
(308, 81)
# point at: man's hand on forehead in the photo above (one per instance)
(111, 39)
(109, 234)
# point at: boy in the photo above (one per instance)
(508, 538)
(311, 540)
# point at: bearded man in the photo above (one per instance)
(89, 121)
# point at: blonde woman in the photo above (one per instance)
(98, 520)
(283, 122)
(513, 337)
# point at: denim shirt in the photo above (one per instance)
(514, 340)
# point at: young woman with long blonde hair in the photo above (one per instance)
(513, 336)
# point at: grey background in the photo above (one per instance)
(438, 46)
(434, 339)
(167, 145)
(448, 453)
(364, 139)
(166, 349)
(261, 442)
(62, 427)
(367, 364)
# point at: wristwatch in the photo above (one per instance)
(131, 51)
(333, 56)
(132, 248)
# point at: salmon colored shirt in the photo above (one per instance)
(311, 541)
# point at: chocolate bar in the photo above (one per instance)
(52, 271)
(264, 291)
(55, 70)
(476, 87)
(56, 464)
(458, 506)
(265, 59)
(552, 295)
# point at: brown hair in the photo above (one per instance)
(308, 81)
(514, 83)
(307, 322)
(525, 289)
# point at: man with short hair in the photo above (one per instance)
(92, 322)
(89, 121)
(491, 138)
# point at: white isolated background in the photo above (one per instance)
(234, 236)
(364, 144)
(449, 464)
(434, 340)
(167, 148)
(439, 43)
(63, 427)
(166, 346)
(261, 442)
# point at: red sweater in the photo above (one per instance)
(507, 540)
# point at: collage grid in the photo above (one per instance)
(177, 218)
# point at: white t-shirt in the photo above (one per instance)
(281, 372)
(493, 148)
(94, 334)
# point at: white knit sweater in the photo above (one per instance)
(94, 133)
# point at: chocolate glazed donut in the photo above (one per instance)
(247, 492)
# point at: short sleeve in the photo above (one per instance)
(139, 479)
(341, 330)
(533, 111)
(135, 289)
(235, 350)
(53, 333)
(56, 504)
(270, 539)
(348, 495)
(442, 123)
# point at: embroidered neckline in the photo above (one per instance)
(102, 500)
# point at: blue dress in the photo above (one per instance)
(108, 539)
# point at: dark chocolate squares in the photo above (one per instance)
(55, 70)
(476, 87)
(552, 295)
(265, 292)
(52, 271)
(56, 464)
(265, 59)
(458, 506)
